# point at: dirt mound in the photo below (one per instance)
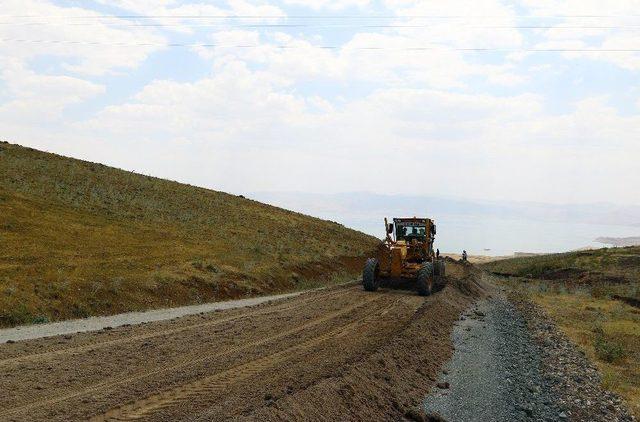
(628, 300)
(596, 277)
(628, 261)
(391, 383)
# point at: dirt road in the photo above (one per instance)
(35, 331)
(340, 353)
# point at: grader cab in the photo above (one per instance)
(405, 253)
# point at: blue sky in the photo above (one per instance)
(397, 104)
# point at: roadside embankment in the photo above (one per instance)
(81, 239)
(573, 379)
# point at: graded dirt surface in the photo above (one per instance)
(335, 354)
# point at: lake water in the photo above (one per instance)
(497, 236)
(481, 229)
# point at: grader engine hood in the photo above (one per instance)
(398, 256)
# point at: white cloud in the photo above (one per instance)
(177, 16)
(71, 39)
(329, 4)
(231, 106)
(37, 98)
(592, 25)
(474, 145)
(264, 117)
(393, 62)
(459, 23)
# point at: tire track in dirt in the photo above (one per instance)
(343, 354)
(354, 346)
(187, 360)
(217, 383)
(49, 354)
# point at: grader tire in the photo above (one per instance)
(439, 268)
(425, 279)
(371, 275)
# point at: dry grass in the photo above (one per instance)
(580, 295)
(81, 239)
(613, 262)
(609, 332)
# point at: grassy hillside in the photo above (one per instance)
(594, 296)
(79, 238)
(607, 264)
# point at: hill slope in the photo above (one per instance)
(79, 239)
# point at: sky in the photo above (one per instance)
(520, 101)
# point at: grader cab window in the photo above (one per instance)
(410, 232)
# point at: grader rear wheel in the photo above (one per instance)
(371, 275)
(425, 279)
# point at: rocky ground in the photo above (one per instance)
(511, 363)
(496, 372)
(572, 379)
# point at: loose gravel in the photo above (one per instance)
(512, 363)
(568, 373)
(495, 373)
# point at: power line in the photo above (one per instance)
(315, 17)
(347, 26)
(324, 47)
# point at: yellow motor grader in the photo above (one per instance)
(405, 253)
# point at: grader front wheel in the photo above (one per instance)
(439, 268)
(371, 275)
(425, 279)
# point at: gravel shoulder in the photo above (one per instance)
(512, 363)
(495, 373)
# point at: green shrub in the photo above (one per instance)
(41, 319)
(601, 292)
(18, 315)
(607, 349)
(79, 311)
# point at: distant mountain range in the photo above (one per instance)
(362, 204)
(620, 241)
